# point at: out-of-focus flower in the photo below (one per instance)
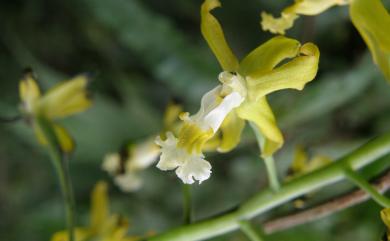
(385, 215)
(240, 96)
(65, 99)
(291, 13)
(301, 165)
(370, 17)
(103, 225)
(126, 167)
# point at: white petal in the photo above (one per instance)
(111, 163)
(215, 117)
(171, 157)
(209, 102)
(128, 182)
(142, 155)
(195, 168)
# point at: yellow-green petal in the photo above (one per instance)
(372, 21)
(230, 132)
(81, 234)
(292, 75)
(171, 114)
(313, 7)
(299, 161)
(213, 34)
(66, 98)
(63, 137)
(260, 113)
(291, 13)
(213, 143)
(99, 207)
(29, 92)
(265, 57)
(277, 25)
(385, 215)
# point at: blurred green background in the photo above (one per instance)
(145, 53)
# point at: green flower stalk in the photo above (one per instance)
(41, 111)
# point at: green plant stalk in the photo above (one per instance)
(268, 161)
(60, 164)
(187, 204)
(247, 228)
(366, 186)
(272, 173)
(268, 199)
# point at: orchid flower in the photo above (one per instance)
(64, 99)
(370, 18)
(126, 169)
(301, 163)
(103, 225)
(240, 97)
(127, 166)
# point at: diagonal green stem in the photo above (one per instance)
(269, 161)
(187, 203)
(366, 186)
(268, 199)
(249, 231)
(60, 164)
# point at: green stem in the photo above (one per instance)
(269, 161)
(60, 164)
(364, 185)
(272, 173)
(268, 199)
(249, 231)
(187, 204)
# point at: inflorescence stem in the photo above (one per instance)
(60, 164)
(268, 199)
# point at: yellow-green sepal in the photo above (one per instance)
(29, 92)
(230, 132)
(291, 75)
(213, 34)
(313, 7)
(269, 54)
(279, 25)
(66, 98)
(372, 21)
(99, 206)
(260, 113)
(62, 136)
(80, 234)
(385, 215)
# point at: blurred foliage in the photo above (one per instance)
(143, 54)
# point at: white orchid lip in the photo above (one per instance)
(215, 117)
(189, 167)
